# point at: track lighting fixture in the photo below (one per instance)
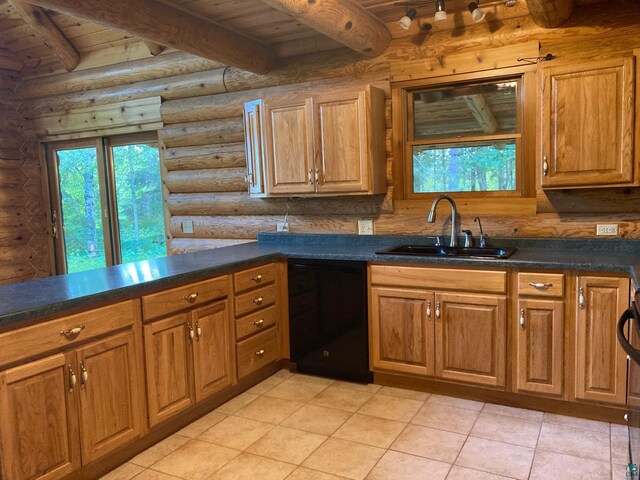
(477, 13)
(409, 16)
(441, 13)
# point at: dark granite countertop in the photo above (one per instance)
(25, 301)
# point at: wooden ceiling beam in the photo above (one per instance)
(155, 48)
(550, 13)
(10, 61)
(345, 21)
(161, 23)
(51, 35)
(481, 111)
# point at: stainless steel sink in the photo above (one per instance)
(433, 251)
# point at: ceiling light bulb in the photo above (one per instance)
(441, 13)
(477, 13)
(405, 22)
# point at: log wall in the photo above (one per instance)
(24, 252)
(203, 149)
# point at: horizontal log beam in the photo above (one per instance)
(344, 21)
(10, 61)
(194, 181)
(49, 32)
(161, 23)
(550, 13)
(205, 157)
(229, 130)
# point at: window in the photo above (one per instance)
(462, 137)
(106, 199)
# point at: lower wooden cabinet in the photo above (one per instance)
(539, 346)
(601, 364)
(39, 431)
(188, 358)
(471, 338)
(402, 333)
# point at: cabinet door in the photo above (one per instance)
(213, 351)
(253, 143)
(601, 364)
(588, 123)
(471, 338)
(169, 367)
(111, 399)
(289, 148)
(341, 140)
(540, 339)
(402, 330)
(39, 428)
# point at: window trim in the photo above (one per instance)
(404, 196)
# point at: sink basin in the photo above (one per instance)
(432, 251)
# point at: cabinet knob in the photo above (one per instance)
(257, 278)
(84, 375)
(438, 312)
(428, 310)
(191, 298)
(258, 301)
(198, 329)
(192, 334)
(259, 323)
(72, 378)
(522, 321)
(72, 332)
(260, 353)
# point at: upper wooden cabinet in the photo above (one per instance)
(325, 144)
(588, 124)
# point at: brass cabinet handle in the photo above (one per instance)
(258, 301)
(581, 298)
(540, 286)
(84, 375)
(72, 378)
(545, 166)
(259, 323)
(198, 329)
(428, 310)
(522, 322)
(257, 278)
(310, 176)
(192, 334)
(72, 332)
(438, 312)
(260, 353)
(191, 298)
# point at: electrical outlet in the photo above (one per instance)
(365, 227)
(187, 226)
(607, 229)
(282, 227)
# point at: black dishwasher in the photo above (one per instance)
(328, 318)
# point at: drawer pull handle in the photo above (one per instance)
(84, 375)
(72, 332)
(257, 278)
(260, 353)
(191, 298)
(522, 322)
(72, 379)
(540, 286)
(258, 301)
(259, 323)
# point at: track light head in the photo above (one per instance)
(477, 13)
(441, 13)
(409, 16)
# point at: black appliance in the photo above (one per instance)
(631, 345)
(328, 318)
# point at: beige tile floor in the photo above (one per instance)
(299, 427)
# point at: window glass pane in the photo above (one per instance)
(465, 110)
(81, 209)
(464, 167)
(139, 200)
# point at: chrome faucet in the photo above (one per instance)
(454, 213)
(483, 239)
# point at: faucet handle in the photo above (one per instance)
(468, 239)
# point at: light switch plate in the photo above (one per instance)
(607, 229)
(365, 227)
(187, 226)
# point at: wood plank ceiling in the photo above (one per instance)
(252, 18)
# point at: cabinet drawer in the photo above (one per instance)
(255, 300)
(256, 322)
(254, 277)
(170, 301)
(47, 336)
(541, 284)
(256, 352)
(489, 281)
